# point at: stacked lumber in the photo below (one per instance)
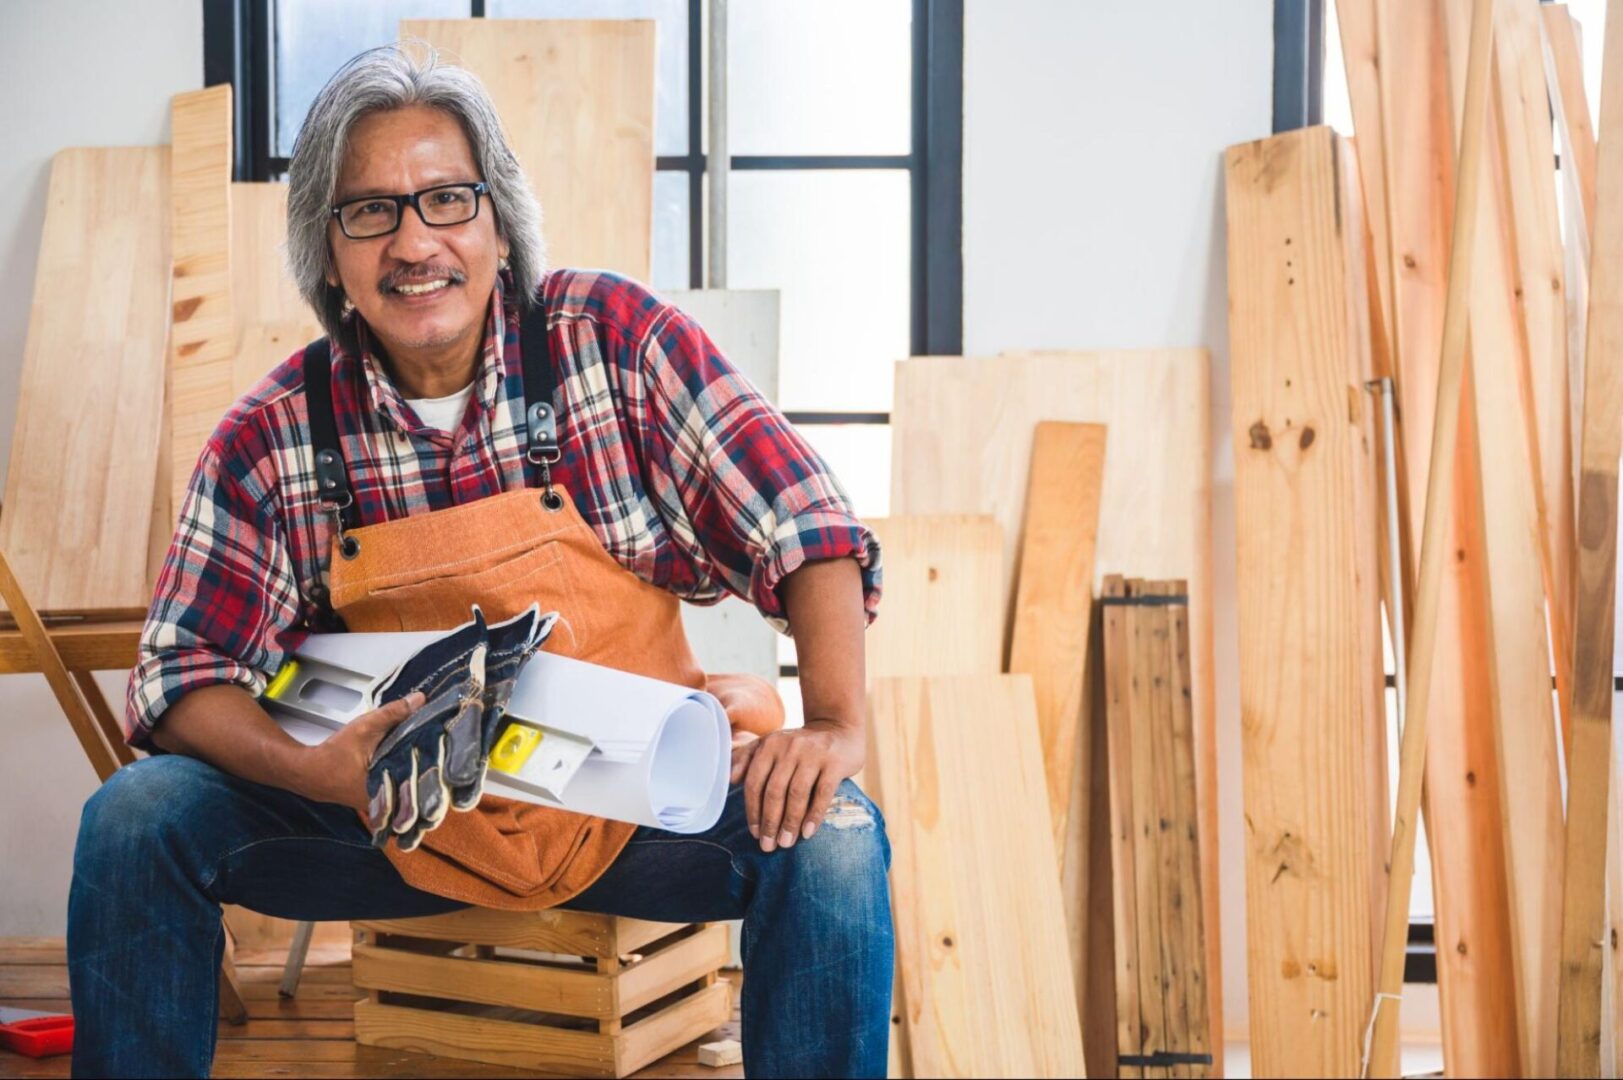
(1162, 1027)
(1433, 254)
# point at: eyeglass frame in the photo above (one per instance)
(479, 187)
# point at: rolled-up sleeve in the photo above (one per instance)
(746, 497)
(226, 600)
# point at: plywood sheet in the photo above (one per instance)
(1054, 596)
(941, 597)
(203, 330)
(262, 291)
(1310, 642)
(975, 888)
(84, 460)
(961, 437)
(576, 98)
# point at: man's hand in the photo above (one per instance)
(336, 769)
(790, 778)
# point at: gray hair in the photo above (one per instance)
(378, 80)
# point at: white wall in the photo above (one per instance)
(77, 73)
(1093, 217)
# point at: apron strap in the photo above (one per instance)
(332, 479)
(540, 380)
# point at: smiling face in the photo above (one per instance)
(423, 290)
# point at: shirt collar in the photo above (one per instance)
(385, 398)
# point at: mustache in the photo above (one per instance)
(413, 275)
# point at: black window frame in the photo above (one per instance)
(238, 38)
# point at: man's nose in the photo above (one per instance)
(414, 241)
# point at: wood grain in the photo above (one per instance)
(1054, 597)
(202, 322)
(1409, 111)
(1529, 227)
(576, 98)
(941, 596)
(1591, 751)
(1154, 518)
(1310, 644)
(84, 451)
(1516, 330)
(976, 893)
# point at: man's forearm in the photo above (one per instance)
(825, 607)
(224, 726)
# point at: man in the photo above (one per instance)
(393, 474)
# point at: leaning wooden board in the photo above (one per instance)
(203, 332)
(1310, 638)
(976, 891)
(1054, 598)
(1590, 757)
(1515, 331)
(1408, 111)
(961, 443)
(84, 458)
(576, 97)
(938, 571)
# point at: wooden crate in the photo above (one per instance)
(559, 993)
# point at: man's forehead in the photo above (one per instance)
(417, 145)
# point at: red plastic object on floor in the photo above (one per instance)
(36, 1034)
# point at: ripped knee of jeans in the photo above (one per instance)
(848, 812)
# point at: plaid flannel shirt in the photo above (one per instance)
(688, 476)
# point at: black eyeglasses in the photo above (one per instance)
(372, 216)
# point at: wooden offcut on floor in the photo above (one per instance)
(309, 1035)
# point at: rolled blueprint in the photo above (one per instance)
(594, 740)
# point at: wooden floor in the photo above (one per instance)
(310, 1035)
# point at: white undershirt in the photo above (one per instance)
(445, 412)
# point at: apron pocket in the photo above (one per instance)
(537, 575)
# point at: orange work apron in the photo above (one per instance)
(505, 553)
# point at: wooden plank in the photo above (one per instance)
(1146, 870)
(576, 98)
(1124, 828)
(1591, 750)
(84, 451)
(203, 329)
(537, 1049)
(1154, 516)
(1310, 643)
(488, 982)
(1504, 347)
(1537, 268)
(1383, 1054)
(572, 933)
(672, 967)
(940, 571)
(1565, 63)
(1183, 811)
(1411, 110)
(976, 892)
(1054, 596)
(84, 647)
(263, 294)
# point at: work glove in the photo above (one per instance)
(511, 644)
(407, 783)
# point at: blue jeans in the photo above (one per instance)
(169, 839)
